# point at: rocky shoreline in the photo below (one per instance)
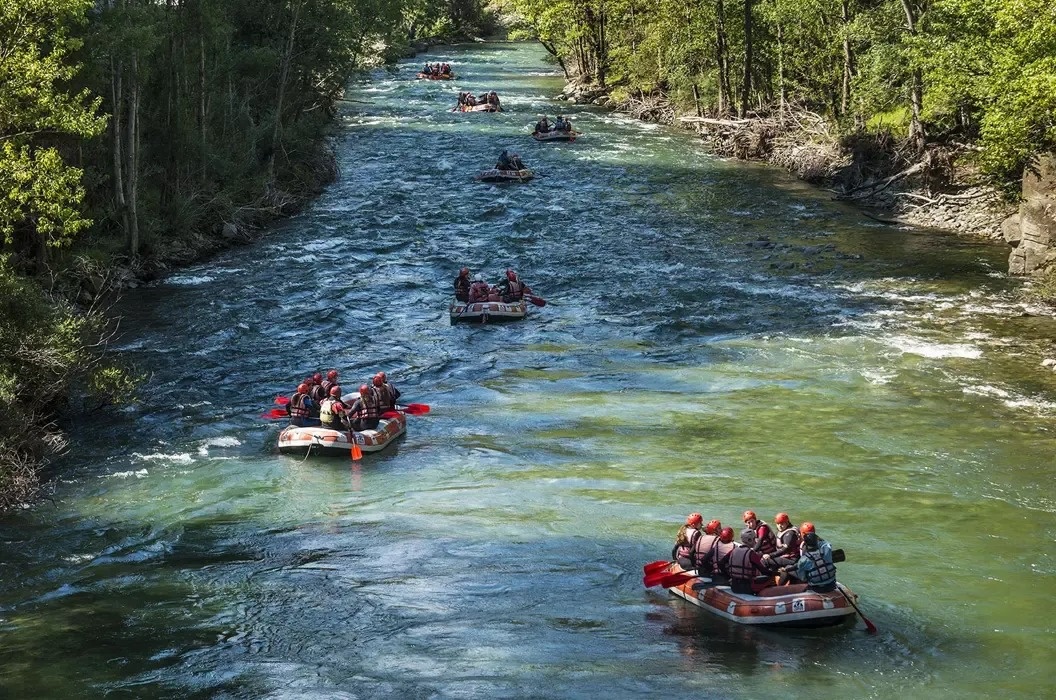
(932, 191)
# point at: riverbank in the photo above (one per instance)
(937, 189)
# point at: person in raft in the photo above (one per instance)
(686, 540)
(300, 407)
(330, 382)
(512, 288)
(542, 126)
(462, 285)
(814, 567)
(364, 412)
(704, 550)
(745, 567)
(387, 394)
(333, 413)
(504, 162)
(721, 558)
(787, 552)
(765, 539)
(563, 124)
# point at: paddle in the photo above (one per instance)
(538, 301)
(276, 413)
(414, 409)
(282, 400)
(357, 451)
(868, 625)
(655, 566)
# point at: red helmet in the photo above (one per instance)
(364, 389)
(713, 527)
(332, 375)
(382, 375)
(378, 381)
(335, 390)
(749, 515)
(726, 535)
(781, 519)
(317, 378)
(805, 528)
(302, 388)
(694, 519)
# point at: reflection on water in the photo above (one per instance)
(717, 337)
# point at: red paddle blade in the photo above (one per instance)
(357, 452)
(390, 414)
(655, 566)
(415, 409)
(676, 580)
(655, 578)
(276, 413)
(282, 400)
(538, 301)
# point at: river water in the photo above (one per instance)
(718, 336)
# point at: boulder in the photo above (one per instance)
(1036, 242)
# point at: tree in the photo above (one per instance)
(40, 194)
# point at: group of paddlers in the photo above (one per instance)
(510, 289)
(752, 564)
(467, 99)
(320, 401)
(436, 69)
(509, 161)
(560, 125)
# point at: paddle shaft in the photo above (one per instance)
(868, 625)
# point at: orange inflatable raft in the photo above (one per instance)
(488, 311)
(317, 440)
(778, 606)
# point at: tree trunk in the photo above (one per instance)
(848, 57)
(696, 100)
(782, 95)
(916, 89)
(117, 135)
(746, 85)
(284, 75)
(722, 59)
(132, 157)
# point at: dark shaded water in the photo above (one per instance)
(718, 337)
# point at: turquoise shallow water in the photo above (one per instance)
(717, 337)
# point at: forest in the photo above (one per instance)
(981, 73)
(133, 132)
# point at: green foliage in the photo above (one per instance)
(39, 192)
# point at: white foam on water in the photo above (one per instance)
(180, 458)
(223, 441)
(918, 346)
(189, 280)
(139, 473)
(985, 390)
(878, 377)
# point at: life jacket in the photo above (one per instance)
(478, 291)
(462, 288)
(318, 394)
(767, 541)
(297, 407)
(741, 566)
(789, 540)
(722, 549)
(330, 413)
(326, 387)
(366, 407)
(705, 543)
(823, 573)
(514, 289)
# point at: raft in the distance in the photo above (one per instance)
(431, 76)
(488, 311)
(777, 606)
(318, 440)
(556, 136)
(496, 175)
(477, 108)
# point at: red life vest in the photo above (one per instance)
(722, 550)
(297, 407)
(478, 291)
(462, 288)
(366, 407)
(318, 393)
(741, 565)
(767, 543)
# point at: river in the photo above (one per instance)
(718, 336)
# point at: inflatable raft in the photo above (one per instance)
(777, 606)
(488, 311)
(496, 175)
(431, 76)
(556, 136)
(316, 440)
(477, 108)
